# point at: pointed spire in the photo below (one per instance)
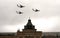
(29, 19)
(29, 25)
(29, 22)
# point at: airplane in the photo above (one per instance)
(36, 10)
(21, 6)
(19, 12)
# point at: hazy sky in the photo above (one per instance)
(47, 20)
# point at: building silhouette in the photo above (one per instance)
(29, 31)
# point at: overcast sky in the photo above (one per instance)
(47, 20)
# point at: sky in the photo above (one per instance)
(47, 20)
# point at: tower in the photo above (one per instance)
(29, 31)
(29, 26)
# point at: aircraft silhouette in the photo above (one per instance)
(36, 10)
(19, 12)
(21, 6)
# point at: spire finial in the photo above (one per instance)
(29, 17)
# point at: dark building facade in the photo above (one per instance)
(29, 31)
